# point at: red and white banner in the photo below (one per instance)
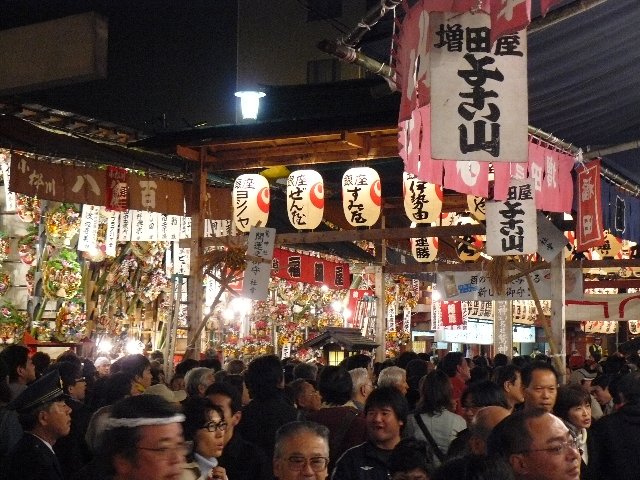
(508, 17)
(603, 307)
(469, 177)
(430, 168)
(557, 188)
(589, 227)
(412, 60)
(451, 313)
(299, 267)
(409, 133)
(455, 5)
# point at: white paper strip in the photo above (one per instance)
(111, 237)
(124, 230)
(88, 235)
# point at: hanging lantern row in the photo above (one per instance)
(361, 199)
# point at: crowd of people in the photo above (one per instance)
(411, 418)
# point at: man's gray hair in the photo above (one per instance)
(391, 377)
(291, 429)
(359, 377)
(194, 378)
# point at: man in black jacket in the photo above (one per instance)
(386, 413)
(241, 459)
(45, 418)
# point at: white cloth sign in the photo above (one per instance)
(124, 230)
(258, 271)
(111, 237)
(478, 90)
(551, 241)
(511, 225)
(88, 235)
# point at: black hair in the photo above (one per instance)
(485, 394)
(391, 397)
(264, 376)
(626, 388)
(474, 467)
(212, 363)
(500, 360)
(570, 396)
(229, 391)
(506, 373)
(135, 364)
(449, 363)
(185, 365)
(411, 454)
(15, 356)
(436, 393)
(404, 358)
(41, 360)
(335, 385)
(359, 360)
(527, 372)
(307, 371)
(116, 387)
(69, 372)
(196, 412)
(602, 381)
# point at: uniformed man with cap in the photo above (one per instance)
(45, 417)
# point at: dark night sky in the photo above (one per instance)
(171, 64)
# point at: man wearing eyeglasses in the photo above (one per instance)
(143, 440)
(301, 451)
(537, 445)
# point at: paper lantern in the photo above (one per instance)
(305, 199)
(250, 200)
(477, 207)
(424, 250)
(422, 200)
(361, 196)
(469, 247)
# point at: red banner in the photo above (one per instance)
(545, 5)
(557, 187)
(409, 134)
(430, 168)
(508, 17)
(451, 313)
(117, 191)
(298, 267)
(469, 177)
(589, 227)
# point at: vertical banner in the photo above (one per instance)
(391, 317)
(124, 229)
(259, 255)
(451, 312)
(117, 191)
(406, 319)
(478, 91)
(511, 225)
(88, 235)
(138, 231)
(502, 331)
(181, 259)
(173, 227)
(185, 228)
(589, 229)
(111, 237)
(10, 197)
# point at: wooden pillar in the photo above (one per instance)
(195, 291)
(558, 321)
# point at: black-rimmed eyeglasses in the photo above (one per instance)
(213, 426)
(317, 464)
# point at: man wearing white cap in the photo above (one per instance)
(143, 440)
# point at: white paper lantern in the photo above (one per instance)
(251, 199)
(469, 247)
(422, 200)
(424, 250)
(305, 199)
(477, 207)
(361, 196)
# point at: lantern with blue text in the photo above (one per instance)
(422, 200)
(251, 199)
(305, 199)
(361, 196)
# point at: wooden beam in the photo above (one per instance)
(616, 283)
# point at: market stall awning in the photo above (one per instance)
(349, 338)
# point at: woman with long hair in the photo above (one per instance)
(434, 422)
